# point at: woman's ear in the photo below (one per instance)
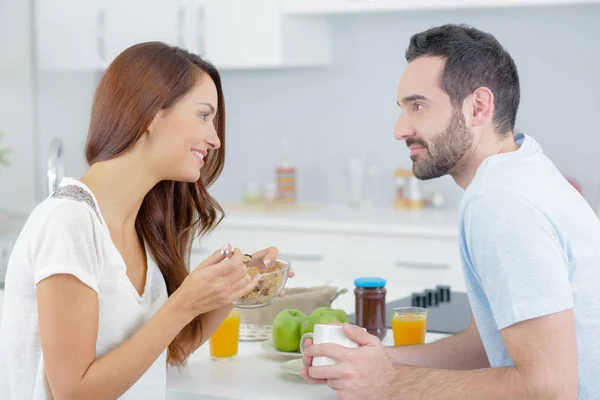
(155, 121)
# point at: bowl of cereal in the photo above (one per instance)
(271, 282)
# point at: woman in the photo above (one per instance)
(98, 297)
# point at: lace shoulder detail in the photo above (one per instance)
(77, 193)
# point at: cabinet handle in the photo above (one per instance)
(417, 265)
(301, 257)
(100, 34)
(181, 27)
(200, 45)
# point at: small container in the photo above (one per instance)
(370, 305)
(401, 200)
(355, 165)
(415, 198)
(286, 176)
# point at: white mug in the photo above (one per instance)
(327, 334)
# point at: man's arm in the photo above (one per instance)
(462, 351)
(544, 352)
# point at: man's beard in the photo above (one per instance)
(449, 147)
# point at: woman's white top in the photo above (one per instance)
(66, 234)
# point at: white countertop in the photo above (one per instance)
(321, 218)
(253, 374)
(256, 373)
(430, 222)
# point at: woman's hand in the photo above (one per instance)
(216, 282)
(267, 258)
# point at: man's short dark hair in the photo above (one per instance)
(473, 59)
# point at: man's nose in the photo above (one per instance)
(403, 129)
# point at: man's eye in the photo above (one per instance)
(417, 106)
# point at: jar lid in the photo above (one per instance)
(369, 282)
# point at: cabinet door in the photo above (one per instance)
(71, 34)
(407, 261)
(240, 33)
(313, 255)
(136, 21)
(196, 25)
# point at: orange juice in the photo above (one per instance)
(224, 342)
(409, 326)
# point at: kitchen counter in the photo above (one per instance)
(255, 373)
(430, 222)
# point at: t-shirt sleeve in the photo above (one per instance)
(68, 243)
(517, 257)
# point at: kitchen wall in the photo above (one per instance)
(329, 113)
(17, 184)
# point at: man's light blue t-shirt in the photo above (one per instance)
(530, 246)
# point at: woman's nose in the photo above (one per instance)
(213, 140)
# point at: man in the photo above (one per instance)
(530, 244)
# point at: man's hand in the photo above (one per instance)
(359, 373)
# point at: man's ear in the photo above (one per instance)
(482, 106)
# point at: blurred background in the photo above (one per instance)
(310, 92)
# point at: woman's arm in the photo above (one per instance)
(68, 313)
(68, 316)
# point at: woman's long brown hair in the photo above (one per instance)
(142, 80)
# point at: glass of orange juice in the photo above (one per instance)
(409, 325)
(224, 342)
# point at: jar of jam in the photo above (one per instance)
(370, 305)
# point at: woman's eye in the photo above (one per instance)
(204, 116)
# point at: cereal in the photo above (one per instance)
(267, 286)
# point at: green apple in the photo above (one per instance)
(340, 315)
(317, 317)
(322, 309)
(286, 330)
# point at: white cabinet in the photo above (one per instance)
(71, 34)
(318, 255)
(135, 21)
(88, 35)
(407, 258)
(256, 34)
(233, 34)
(318, 7)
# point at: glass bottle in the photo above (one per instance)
(370, 305)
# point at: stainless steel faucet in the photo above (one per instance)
(55, 171)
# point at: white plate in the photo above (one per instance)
(292, 366)
(269, 347)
